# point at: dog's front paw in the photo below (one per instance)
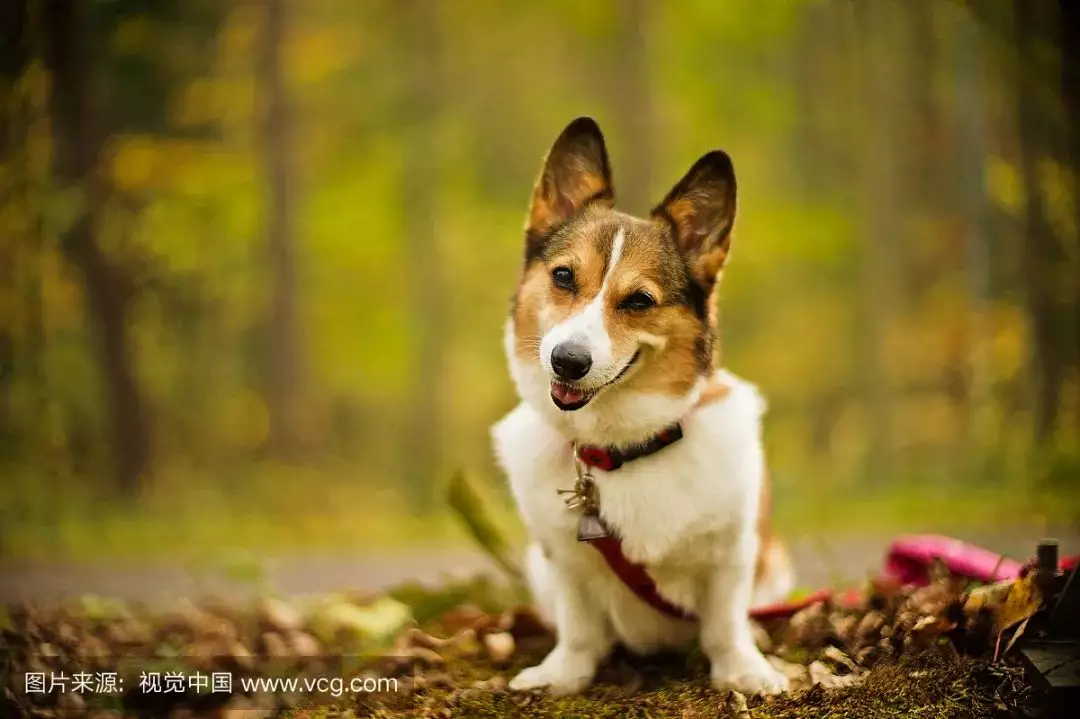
(749, 673)
(559, 673)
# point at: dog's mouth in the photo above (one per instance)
(568, 396)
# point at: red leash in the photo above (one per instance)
(636, 577)
(909, 559)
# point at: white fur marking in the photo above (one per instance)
(616, 255)
(588, 327)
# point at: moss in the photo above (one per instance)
(926, 686)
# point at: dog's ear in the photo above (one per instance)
(701, 210)
(576, 172)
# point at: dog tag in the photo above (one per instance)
(584, 497)
(591, 527)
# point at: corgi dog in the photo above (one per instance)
(611, 344)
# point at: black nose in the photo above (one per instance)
(570, 360)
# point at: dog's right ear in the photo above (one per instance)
(576, 173)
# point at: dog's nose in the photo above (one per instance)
(570, 360)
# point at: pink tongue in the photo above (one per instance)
(565, 393)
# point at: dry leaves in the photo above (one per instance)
(463, 656)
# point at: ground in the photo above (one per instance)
(450, 637)
(894, 652)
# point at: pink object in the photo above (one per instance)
(908, 561)
(910, 558)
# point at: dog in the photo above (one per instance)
(611, 344)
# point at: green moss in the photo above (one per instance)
(927, 687)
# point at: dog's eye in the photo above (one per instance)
(637, 302)
(563, 277)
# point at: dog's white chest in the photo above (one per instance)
(673, 510)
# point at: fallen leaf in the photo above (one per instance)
(428, 657)
(274, 646)
(279, 616)
(303, 644)
(242, 656)
(463, 644)
(735, 704)
(820, 674)
(416, 637)
(986, 598)
(761, 638)
(869, 628)
(838, 657)
(868, 656)
(496, 684)
(1016, 635)
(500, 646)
(467, 616)
(933, 626)
(377, 621)
(1022, 601)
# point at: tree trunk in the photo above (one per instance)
(926, 184)
(14, 56)
(78, 139)
(814, 176)
(419, 183)
(971, 135)
(874, 65)
(1043, 255)
(817, 54)
(632, 105)
(1069, 20)
(282, 390)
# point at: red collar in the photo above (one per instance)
(609, 458)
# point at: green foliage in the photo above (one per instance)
(369, 627)
(469, 505)
(428, 603)
(776, 84)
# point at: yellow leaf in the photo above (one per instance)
(313, 55)
(1016, 635)
(1003, 185)
(133, 162)
(1023, 600)
(1009, 602)
(377, 621)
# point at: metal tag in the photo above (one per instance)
(591, 527)
(584, 497)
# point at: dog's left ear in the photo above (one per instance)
(701, 210)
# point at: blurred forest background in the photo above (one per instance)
(257, 254)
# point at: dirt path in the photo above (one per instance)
(821, 562)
